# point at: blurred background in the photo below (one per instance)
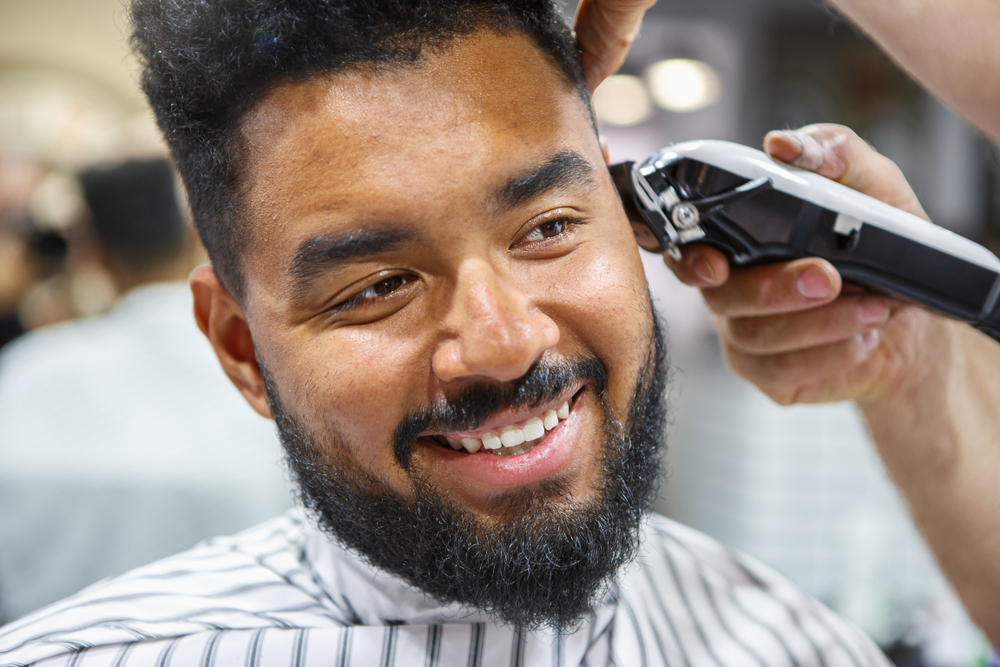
(121, 441)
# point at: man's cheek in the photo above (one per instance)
(609, 284)
(362, 383)
(606, 306)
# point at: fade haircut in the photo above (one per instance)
(207, 63)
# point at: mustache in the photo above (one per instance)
(475, 403)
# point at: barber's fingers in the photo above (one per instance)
(834, 372)
(838, 153)
(605, 29)
(844, 318)
(771, 289)
(701, 266)
(762, 290)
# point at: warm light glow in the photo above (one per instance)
(683, 85)
(622, 100)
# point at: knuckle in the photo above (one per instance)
(749, 333)
(783, 368)
(769, 293)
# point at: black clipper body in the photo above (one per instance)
(756, 210)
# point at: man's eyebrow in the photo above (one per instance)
(318, 254)
(563, 169)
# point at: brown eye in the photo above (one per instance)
(374, 292)
(552, 228)
(387, 286)
(549, 229)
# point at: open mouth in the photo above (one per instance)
(512, 439)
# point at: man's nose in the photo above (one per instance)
(493, 330)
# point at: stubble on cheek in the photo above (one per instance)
(353, 398)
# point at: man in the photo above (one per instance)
(124, 418)
(422, 272)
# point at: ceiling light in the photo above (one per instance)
(683, 85)
(622, 100)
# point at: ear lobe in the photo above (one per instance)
(222, 321)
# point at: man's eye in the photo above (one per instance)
(549, 229)
(383, 288)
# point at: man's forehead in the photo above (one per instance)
(460, 99)
(335, 153)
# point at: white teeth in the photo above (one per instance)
(491, 440)
(511, 436)
(533, 429)
(512, 439)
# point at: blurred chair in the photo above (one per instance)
(121, 440)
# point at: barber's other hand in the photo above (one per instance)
(605, 30)
(793, 329)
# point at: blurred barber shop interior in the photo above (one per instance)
(121, 441)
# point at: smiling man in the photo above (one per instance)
(422, 272)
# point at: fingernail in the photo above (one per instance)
(872, 310)
(813, 154)
(814, 283)
(702, 269)
(792, 137)
(869, 341)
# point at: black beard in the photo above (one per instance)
(549, 557)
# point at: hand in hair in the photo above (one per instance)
(605, 30)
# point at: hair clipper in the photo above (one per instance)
(756, 210)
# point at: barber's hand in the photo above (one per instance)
(794, 329)
(605, 30)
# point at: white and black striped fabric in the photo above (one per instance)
(285, 595)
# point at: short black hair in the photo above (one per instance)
(206, 63)
(134, 212)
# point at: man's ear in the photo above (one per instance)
(222, 321)
(604, 149)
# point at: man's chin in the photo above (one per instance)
(542, 564)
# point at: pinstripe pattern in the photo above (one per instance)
(122, 655)
(389, 646)
(517, 659)
(253, 650)
(284, 594)
(208, 657)
(168, 649)
(476, 645)
(299, 651)
(433, 646)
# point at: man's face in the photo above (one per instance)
(425, 236)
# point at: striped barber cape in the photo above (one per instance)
(283, 595)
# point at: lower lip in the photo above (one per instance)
(544, 459)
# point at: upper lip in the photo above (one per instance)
(504, 417)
